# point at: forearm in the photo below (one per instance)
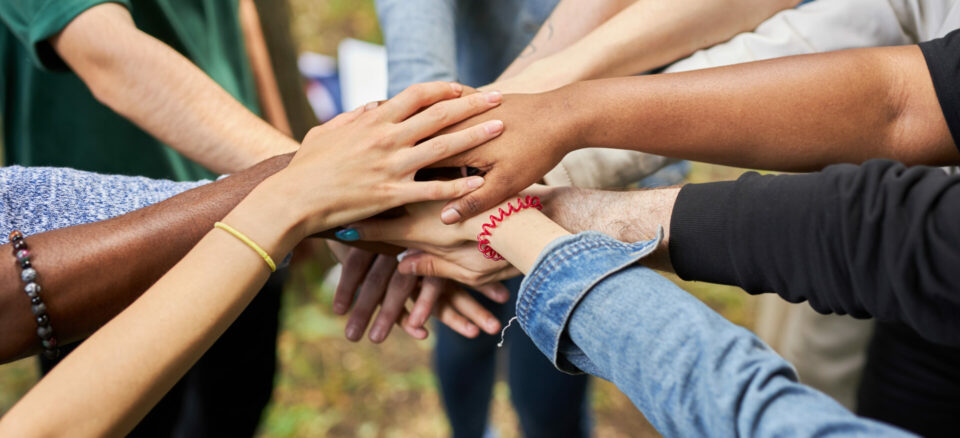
(646, 35)
(691, 372)
(95, 270)
(127, 366)
(799, 113)
(166, 95)
(570, 21)
(628, 215)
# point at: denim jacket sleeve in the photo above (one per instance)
(590, 307)
(420, 36)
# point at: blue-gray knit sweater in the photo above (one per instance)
(38, 199)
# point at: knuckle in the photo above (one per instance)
(313, 133)
(440, 114)
(471, 205)
(439, 146)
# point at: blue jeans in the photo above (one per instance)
(548, 402)
(591, 308)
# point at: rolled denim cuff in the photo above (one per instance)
(564, 273)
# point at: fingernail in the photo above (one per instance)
(493, 126)
(377, 334)
(348, 235)
(450, 215)
(408, 268)
(457, 88)
(494, 96)
(474, 182)
(492, 324)
(352, 333)
(402, 256)
(371, 106)
(339, 308)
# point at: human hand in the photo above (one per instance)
(448, 251)
(538, 135)
(374, 280)
(363, 162)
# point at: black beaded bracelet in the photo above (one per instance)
(29, 276)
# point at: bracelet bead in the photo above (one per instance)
(39, 309)
(32, 289)
(28, 275)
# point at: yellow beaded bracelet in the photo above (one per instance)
(253, 245)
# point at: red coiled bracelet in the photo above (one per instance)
(483, 239)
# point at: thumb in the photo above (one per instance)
(493, 192)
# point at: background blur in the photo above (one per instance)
(327, 386)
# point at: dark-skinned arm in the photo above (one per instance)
(90, 272)
(795, 114)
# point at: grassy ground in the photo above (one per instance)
(327, 386)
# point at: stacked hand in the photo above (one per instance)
(363, 162)
(368, 280)
(540, 134)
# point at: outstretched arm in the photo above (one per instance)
(876, 240)
(590, 308)
(162, 92)
(126, 366)
(110, 262)
(798, 113)
(639, 37)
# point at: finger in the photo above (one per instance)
(438, 190)
(398, 290)
(470, 308)
(429, 265)
(386, 229)
(449, 316)
(371, 292)
(496, 291)
(354, 269)
(446, 113)
(339, 250)
(448, 145)
(497, 190)
(417, 96)
(423, 306)
(418, 333)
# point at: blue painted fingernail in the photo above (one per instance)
(348, 235)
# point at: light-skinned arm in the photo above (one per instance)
(638, 36)
(794, 114)
(159, 90)
(125, 367)
(568, 23)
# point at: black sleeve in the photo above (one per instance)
(943, 61)
(877, 240)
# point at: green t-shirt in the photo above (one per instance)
(50, 118)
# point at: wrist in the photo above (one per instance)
(566, 104)
(268, 217)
